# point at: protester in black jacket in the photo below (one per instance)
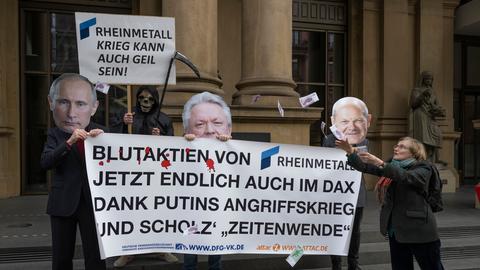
(406, 217)
(149, 120)
(351, 120)
(73, 101)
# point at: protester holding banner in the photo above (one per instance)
(350, 117)
(206, 115)
(73, 101)
(147, 117)
(406, 217)
(148, 120)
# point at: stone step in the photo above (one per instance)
(373, 236)
(377, 254)
(458, 243)
(452, 248)
(459, 264)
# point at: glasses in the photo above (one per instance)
(400, 146)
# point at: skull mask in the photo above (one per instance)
(146, 101)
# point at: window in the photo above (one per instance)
(48, 49)
(319, 55)
(466, 107)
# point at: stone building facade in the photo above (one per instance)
(243, 49)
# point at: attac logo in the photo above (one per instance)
(266, 157)
(85, 27)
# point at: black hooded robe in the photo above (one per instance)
(143, 123)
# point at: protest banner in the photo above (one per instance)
(167, 194)
(123, 49)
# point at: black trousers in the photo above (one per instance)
(354, 245)
(426, 254)
(64, 231)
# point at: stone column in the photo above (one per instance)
(397, 58)
(389, 60)
(266, 54)
(430, 41)
(196, 38)
(9, 99)
(387, 46)
(355, 51)
(435, 53)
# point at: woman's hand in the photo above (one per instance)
(345, 146)
(370, 159)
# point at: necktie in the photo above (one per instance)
(80, 148)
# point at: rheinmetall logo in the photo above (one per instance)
(85, 27)
(266, 157)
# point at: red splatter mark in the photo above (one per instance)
(167, 154)
(100, 163)
(187, 150)
(147, 150)
(166, 163)
(108, 160)
(210, 164)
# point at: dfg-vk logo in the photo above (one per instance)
(266, 159)
(180, 246)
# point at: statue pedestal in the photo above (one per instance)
(449, 179)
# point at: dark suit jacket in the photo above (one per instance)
(362, 194)
(404, 207)
(70, 179)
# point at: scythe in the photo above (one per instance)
(182, 58)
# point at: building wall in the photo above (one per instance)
(402, 38)
(230, 45)
(390, 42)
(9, 100)
(250, 60)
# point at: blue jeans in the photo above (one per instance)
(190, 262)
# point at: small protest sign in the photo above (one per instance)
(125, 49)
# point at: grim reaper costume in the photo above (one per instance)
(147, 115)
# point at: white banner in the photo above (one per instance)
(165, 194)
(125, 49)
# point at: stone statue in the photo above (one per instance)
(425, 108)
